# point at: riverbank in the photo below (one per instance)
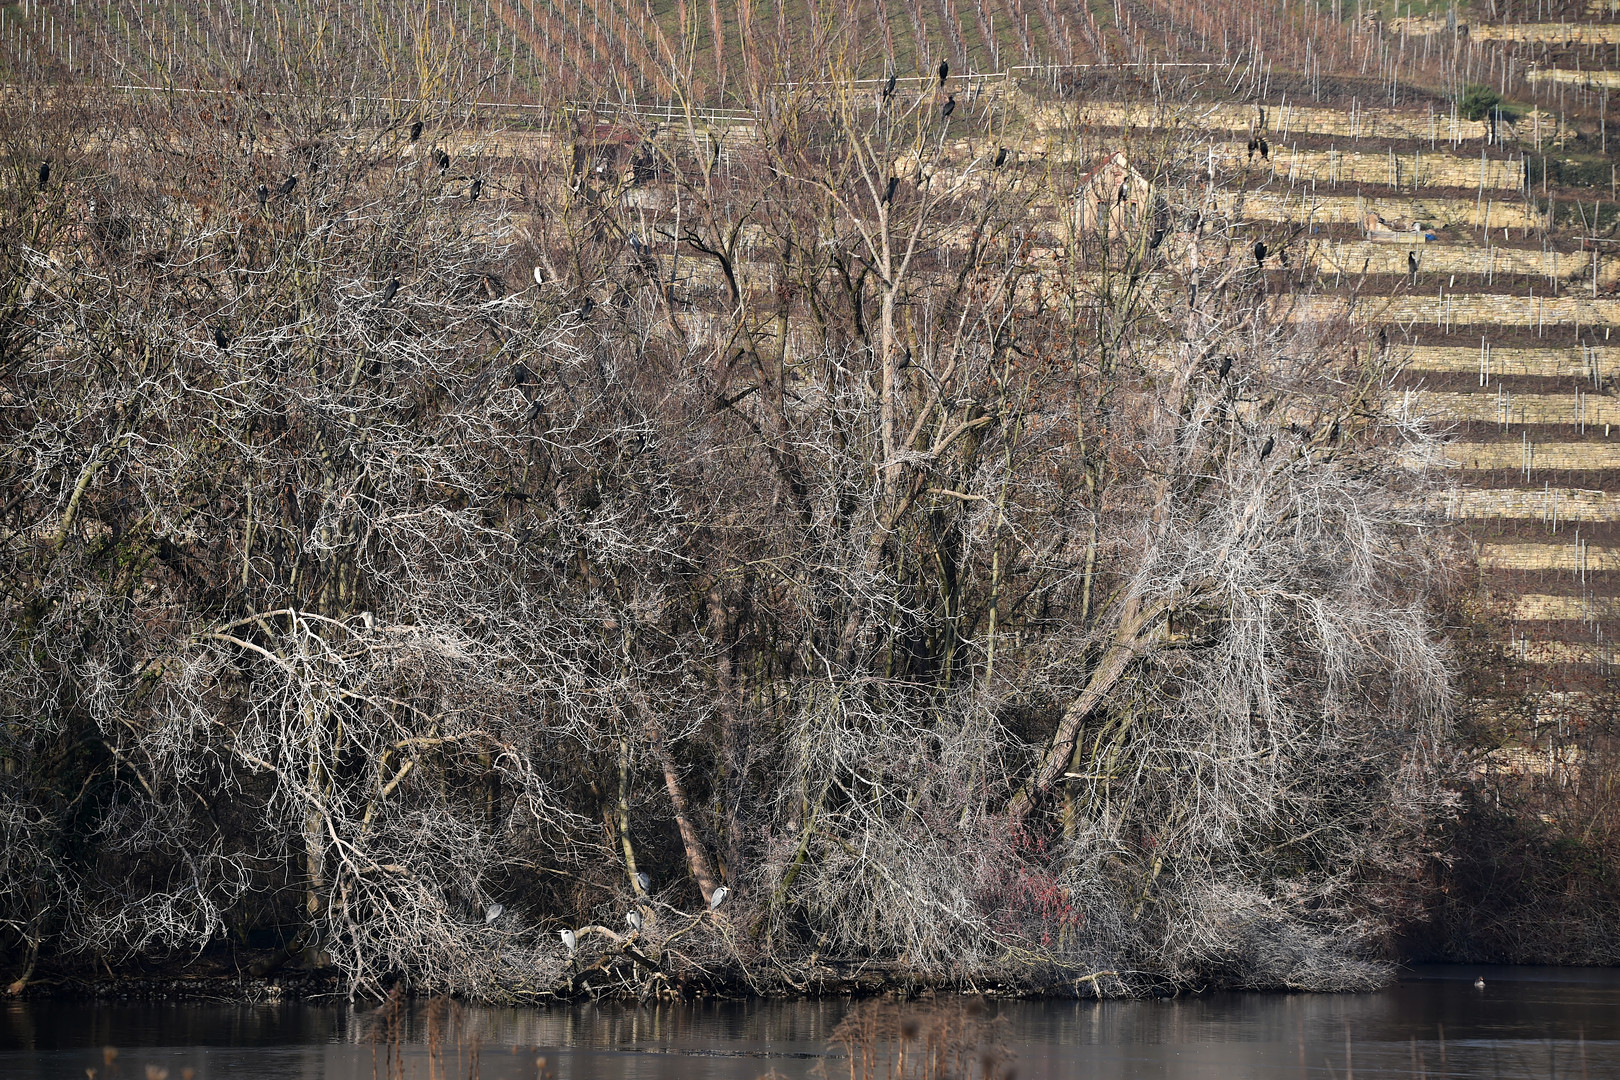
(1522, 1024)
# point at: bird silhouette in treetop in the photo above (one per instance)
(442, 159)
(1001, 157)
(950, 107)
(894, 182)
(1226, 367)
(1259, 252)
(44, 174)
(287, 186)
(264, 195)
(389, 291)
(944, 71)
(1271, 444)
(416, 131)
(888, 87)
(477, 189)
(1265, 150)
(221, 339)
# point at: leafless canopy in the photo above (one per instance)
(933, 528)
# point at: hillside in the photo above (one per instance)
(477, 471)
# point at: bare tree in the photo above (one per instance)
(929, 525)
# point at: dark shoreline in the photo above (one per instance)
(328, 984)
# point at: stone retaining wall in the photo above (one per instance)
(1572, 556)
(1395, 171)
(1281, 121)
(1494, 361)
(1468, 309)
(1515, 504)
(1549, 33)
(1542, 607)
(1304, 205)
(1358, 256)
(1518, 454)
(1498, 407)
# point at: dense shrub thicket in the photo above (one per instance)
(950, 542)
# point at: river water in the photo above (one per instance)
(1525, 1022)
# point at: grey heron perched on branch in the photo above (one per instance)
(570, 940)
(643, 881)
(718, 897)
(493, 912)
(632, 919)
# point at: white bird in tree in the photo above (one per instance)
(495, 911)
(633, 921)
(569, 939)
(718, 897)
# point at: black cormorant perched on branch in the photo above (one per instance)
(894, 182)
(442, 159)
(44, 174)
(1271, 444)
(389, 291)
(888, 87)
(1226, 367)
(1265, 150)
(264, 195)
(221, 339)
(1259, 252)
(944, 71)
(1411, 264)
(1001, 157)
(287, 185)
(477, 189)
(416, 131)
(950, 107)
